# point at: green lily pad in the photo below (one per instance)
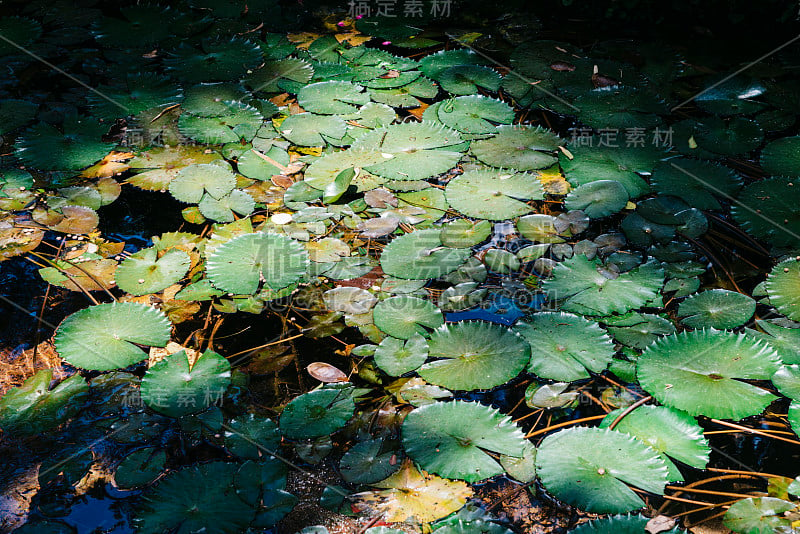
(239, 122)
(618, 524)
(211, 99)
(397, 356)
(145, 272)
(252, 436)
(107, 336)
(475, 114)
(33, 408)
(141, 91)
(76, 145)
(268, 78)
(785, 340)
(413, 150)
(368, 462)
(670, 432)
(700, 372)
(779, 157)
(309, 129)
(698, 183)
(406, 316)
(241, 264)
(174, 388)
(225, 209)
(15, 113)
(716, 308)
(520, 148)
(420, 255)
(493, 194)
(591, 468)
(759, 515)
(598, 199)
(766, 209)
(462, 233)
(731, 96)
(217, 60)
(474, 355)
(622, 164)
(565, 346)
(140, 468)
(783, 288)
(316, 413)
(332, 97)
(453, 439)
(193, 181)
(584, 286)
(433, 65)
(638, 330)
(541, 228)
(195, 499)
(466, 79)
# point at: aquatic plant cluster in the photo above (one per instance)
(422, 201)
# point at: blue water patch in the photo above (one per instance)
(497, 308)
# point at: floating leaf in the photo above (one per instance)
(308, 129)
(368, 462)
(396, 356)
(474, 355)
(597, 199)
(454, 439)
(466, 79)
(192, 182)
(700, 372)
(420, 255)
(145, 272)
(332, 97)
(239, 265)
(34, 409)
(716, 308)
(759, 515)
(77, 145)
(565, 346)
(106, 336)
(474, 114)
(698, 183)
(671, 432)
(785, 340)
(783, 288)
(521, 148)
(779, 157)
(140, 468)
(591, 469)
(239, 122)
(618, 524)
(226, 208)
(493, 194)
(175, 388)
(405, 316)
(316, 413)
(216, 60)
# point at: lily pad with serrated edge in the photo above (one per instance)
(397, 356)
(316, 413)
(584, 286)
(766, 209)
(698, 183)
(783, 288)
(618, 524)
(34, 408)
(405, 316)
(420, 255)
(433, 65)
(785, 340)
(671, 432)
(520, 148)
(637, 330)
(253, 163)
(216, 60)
(462, 233)
(759, 515)
(406, 96)
(225, 209)
(332, 97)
(240, 122)
(141, 91)
(493, 194)
(145, 272)
(779, 157)
(175, 388)
(107, 336)
(474, 114)
(701, 373)
(325, 170)
(413, 150)
(565, 346)
(241, 264)
(716, 308)
(309, 129)
(192, 182)
(598, 199)
(368, 462)
(140, 468)
(76, 145)
(210, 99)
(474, 355)
(592, 468)
(454, 439)
(193, 499)
(622, 164)
(267, 78)
(466, 79)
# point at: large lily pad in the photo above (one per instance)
(521, 148)
(107, 336)
(493, 194)
(406, 316)
(453, 439)
(474, 355)
(701, 373)
(783, 288)
(34, 408)
(475, 114)
(565, 346)
(145, 272)
(317, 413)
(591, 469)
(420, 255)
(716, 308)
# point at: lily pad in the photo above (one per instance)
(174, 387)
(466, 79)
(368, 462)
(474, 355)
(701, 373)
(309, 129)
(316, 413)
(597, 199)
(420, 255)
(241, 264)
(779, 157)
(406, 316)
(759, 515)
(592, 468)
(454, 439)
(475, 114)
(493, 194)
(332, 97)
(397, 356)
(145, 272)
(107, 336)
(76, 145)
(34, 408)
(698, 183)
(520, 148)
(140, 468)
(783, 288)
(565, 346)
(192, 182)
(716, 308)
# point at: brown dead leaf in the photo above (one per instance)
(111, 165)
